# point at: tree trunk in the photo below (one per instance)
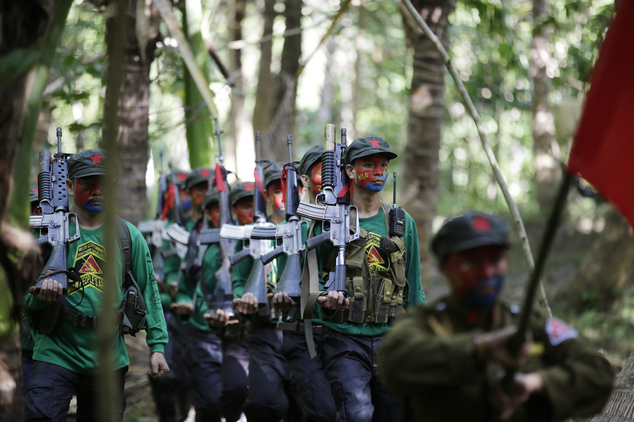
(601, 280)
(619, 407)
(198, 124)
(545, 147)
(243, 145)
(426, 114)
(134, 116)
(262, 113)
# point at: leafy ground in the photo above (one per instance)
(611, 332)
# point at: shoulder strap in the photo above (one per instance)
(125, 241)
(386, 213)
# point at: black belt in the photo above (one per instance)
(298, 326)
(79, 320)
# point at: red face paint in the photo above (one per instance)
(465, 270)
(372, 172)
(213, 214)
(244, 211)
(198, 192)
(276, 196)
(315, 179)
(89, 193)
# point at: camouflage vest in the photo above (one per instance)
(375, 296)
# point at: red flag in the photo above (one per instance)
(603, 149)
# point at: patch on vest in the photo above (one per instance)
(558, 331)
(90, 259)
(377, 258)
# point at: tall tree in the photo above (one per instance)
(425, 117)
(141, 35)
(619, 407)
(545, 147)
(262, 112)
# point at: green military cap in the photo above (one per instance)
(273, 173)
(370, 145)
(211, 197)
(198, 175)
(178, 177)
(90, 162)
(312, 157)
(239, 191)
(33, 197)
(467, 231)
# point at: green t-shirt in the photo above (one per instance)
(375, 226)
(189, 289)
(75, 348)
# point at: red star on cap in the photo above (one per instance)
(481, 224)
(205, 173)
(182, 176)
(374, 143)
(96, 159)
(249, 186)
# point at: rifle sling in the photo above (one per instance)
(309, 294)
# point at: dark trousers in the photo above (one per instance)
(171, 393)
(350, 363)
(309, 379)
(51, 388)
(235, 379)
(206, 349)
(268, 375)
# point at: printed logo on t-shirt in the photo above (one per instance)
(89, 261)
(377, 258)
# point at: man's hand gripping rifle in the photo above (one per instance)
(256, 283)
(340, 220)
(288, 237)
(54, 222)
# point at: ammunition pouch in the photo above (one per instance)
(132, 313)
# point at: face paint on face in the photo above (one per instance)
(477, 275)
(244, 211)
(198, 192)
(315, 179)
(372, 172)
(186, 201)
(89, 193)
(276, 197)
(213, 214)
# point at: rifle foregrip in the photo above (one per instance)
(268, 257)
(313, 242)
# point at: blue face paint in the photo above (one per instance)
(494, 284)
(92, 207)
(187, 205)
(375, 187)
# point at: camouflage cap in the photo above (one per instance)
(239, 191)
(312, 157)
(33, 193)
(370, 145)
(90, 162)
(211, 197)
(198, 175)
(467, 231)
(273, 173)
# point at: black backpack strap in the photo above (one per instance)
(125, 243)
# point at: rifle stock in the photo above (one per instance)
(54, 223)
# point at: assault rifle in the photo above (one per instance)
(54, 222)
(222, 297)
(288, 237)
(340, 220)
(256, 283)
